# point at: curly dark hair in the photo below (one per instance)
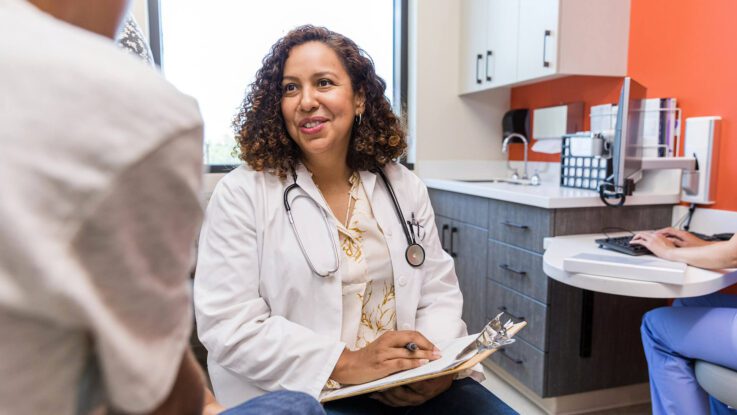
(260, 131)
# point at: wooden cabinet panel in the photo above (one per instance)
(574, 339)
(593, 220)
(520, 225)
(518, 307)
(467, 245)
(517, 269)
(469, 248)
(464, 208)
(524, 362)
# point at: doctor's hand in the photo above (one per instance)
(382, 357)
(682, 239)
(416, 393)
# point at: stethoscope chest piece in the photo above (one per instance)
(415, 255)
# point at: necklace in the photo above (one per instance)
(354, 179)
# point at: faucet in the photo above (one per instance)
(505, 150)
(535, 179)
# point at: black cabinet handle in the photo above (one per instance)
(513, 359)
(514, 225)
(442, 237)
(488, 58)
(503, 309)
(506, 267)
(545, 48)
(478, 60)
(453, 231)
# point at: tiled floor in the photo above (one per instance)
(524, 406)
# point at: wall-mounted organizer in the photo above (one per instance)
(585, 165)
(582, 172)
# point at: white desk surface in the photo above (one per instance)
(698, 281)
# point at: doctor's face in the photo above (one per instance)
(318, 102)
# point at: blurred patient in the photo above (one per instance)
(100, 170)
(700, 328)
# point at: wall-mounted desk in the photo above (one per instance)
(698, 281)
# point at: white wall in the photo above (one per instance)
(444, 125)
(139, 9)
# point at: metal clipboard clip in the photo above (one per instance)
(493, 336)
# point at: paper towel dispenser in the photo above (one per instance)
(554, 122)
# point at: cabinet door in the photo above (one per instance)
(469, 248)
(538, 39)
(500, 67)
(473, 45)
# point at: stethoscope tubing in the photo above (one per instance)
(288, 208)
(414, 254)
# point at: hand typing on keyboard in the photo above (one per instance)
(658, 243)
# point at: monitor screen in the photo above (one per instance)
(627, 146)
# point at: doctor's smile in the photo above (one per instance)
(312, 125)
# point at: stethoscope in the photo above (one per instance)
(414, 254)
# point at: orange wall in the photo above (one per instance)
(685, 49)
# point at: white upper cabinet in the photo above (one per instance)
(501, 42)
(537, 53)
(513, 42)
(473, 44)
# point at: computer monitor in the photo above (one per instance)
(627, 146)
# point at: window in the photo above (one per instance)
(212, 50)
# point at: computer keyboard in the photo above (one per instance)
(622, 244)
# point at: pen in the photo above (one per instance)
(411, 346)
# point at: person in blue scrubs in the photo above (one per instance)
(698, 328)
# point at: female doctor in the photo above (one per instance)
(319, 260)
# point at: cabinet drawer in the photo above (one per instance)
(522, 361)
(473, 210)
(518, 307)
(518, 269)
(520, 225)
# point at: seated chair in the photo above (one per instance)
(717, 381)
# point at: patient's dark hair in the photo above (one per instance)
(261, 134)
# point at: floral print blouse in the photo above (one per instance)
(368, 278)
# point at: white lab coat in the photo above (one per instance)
(267, 321)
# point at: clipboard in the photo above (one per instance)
(369, 387)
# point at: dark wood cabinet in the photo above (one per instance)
(467, 245)
(575, 340)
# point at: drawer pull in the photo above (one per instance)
(479, 57)
(489, 54)
(453, 231)
(506, 267)
(442, 237)
(503, 309)
(513, 359)
(514, 225)
(546, 63)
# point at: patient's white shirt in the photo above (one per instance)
(100, 167)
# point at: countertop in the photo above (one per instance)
(656, 188)
(547, 195)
